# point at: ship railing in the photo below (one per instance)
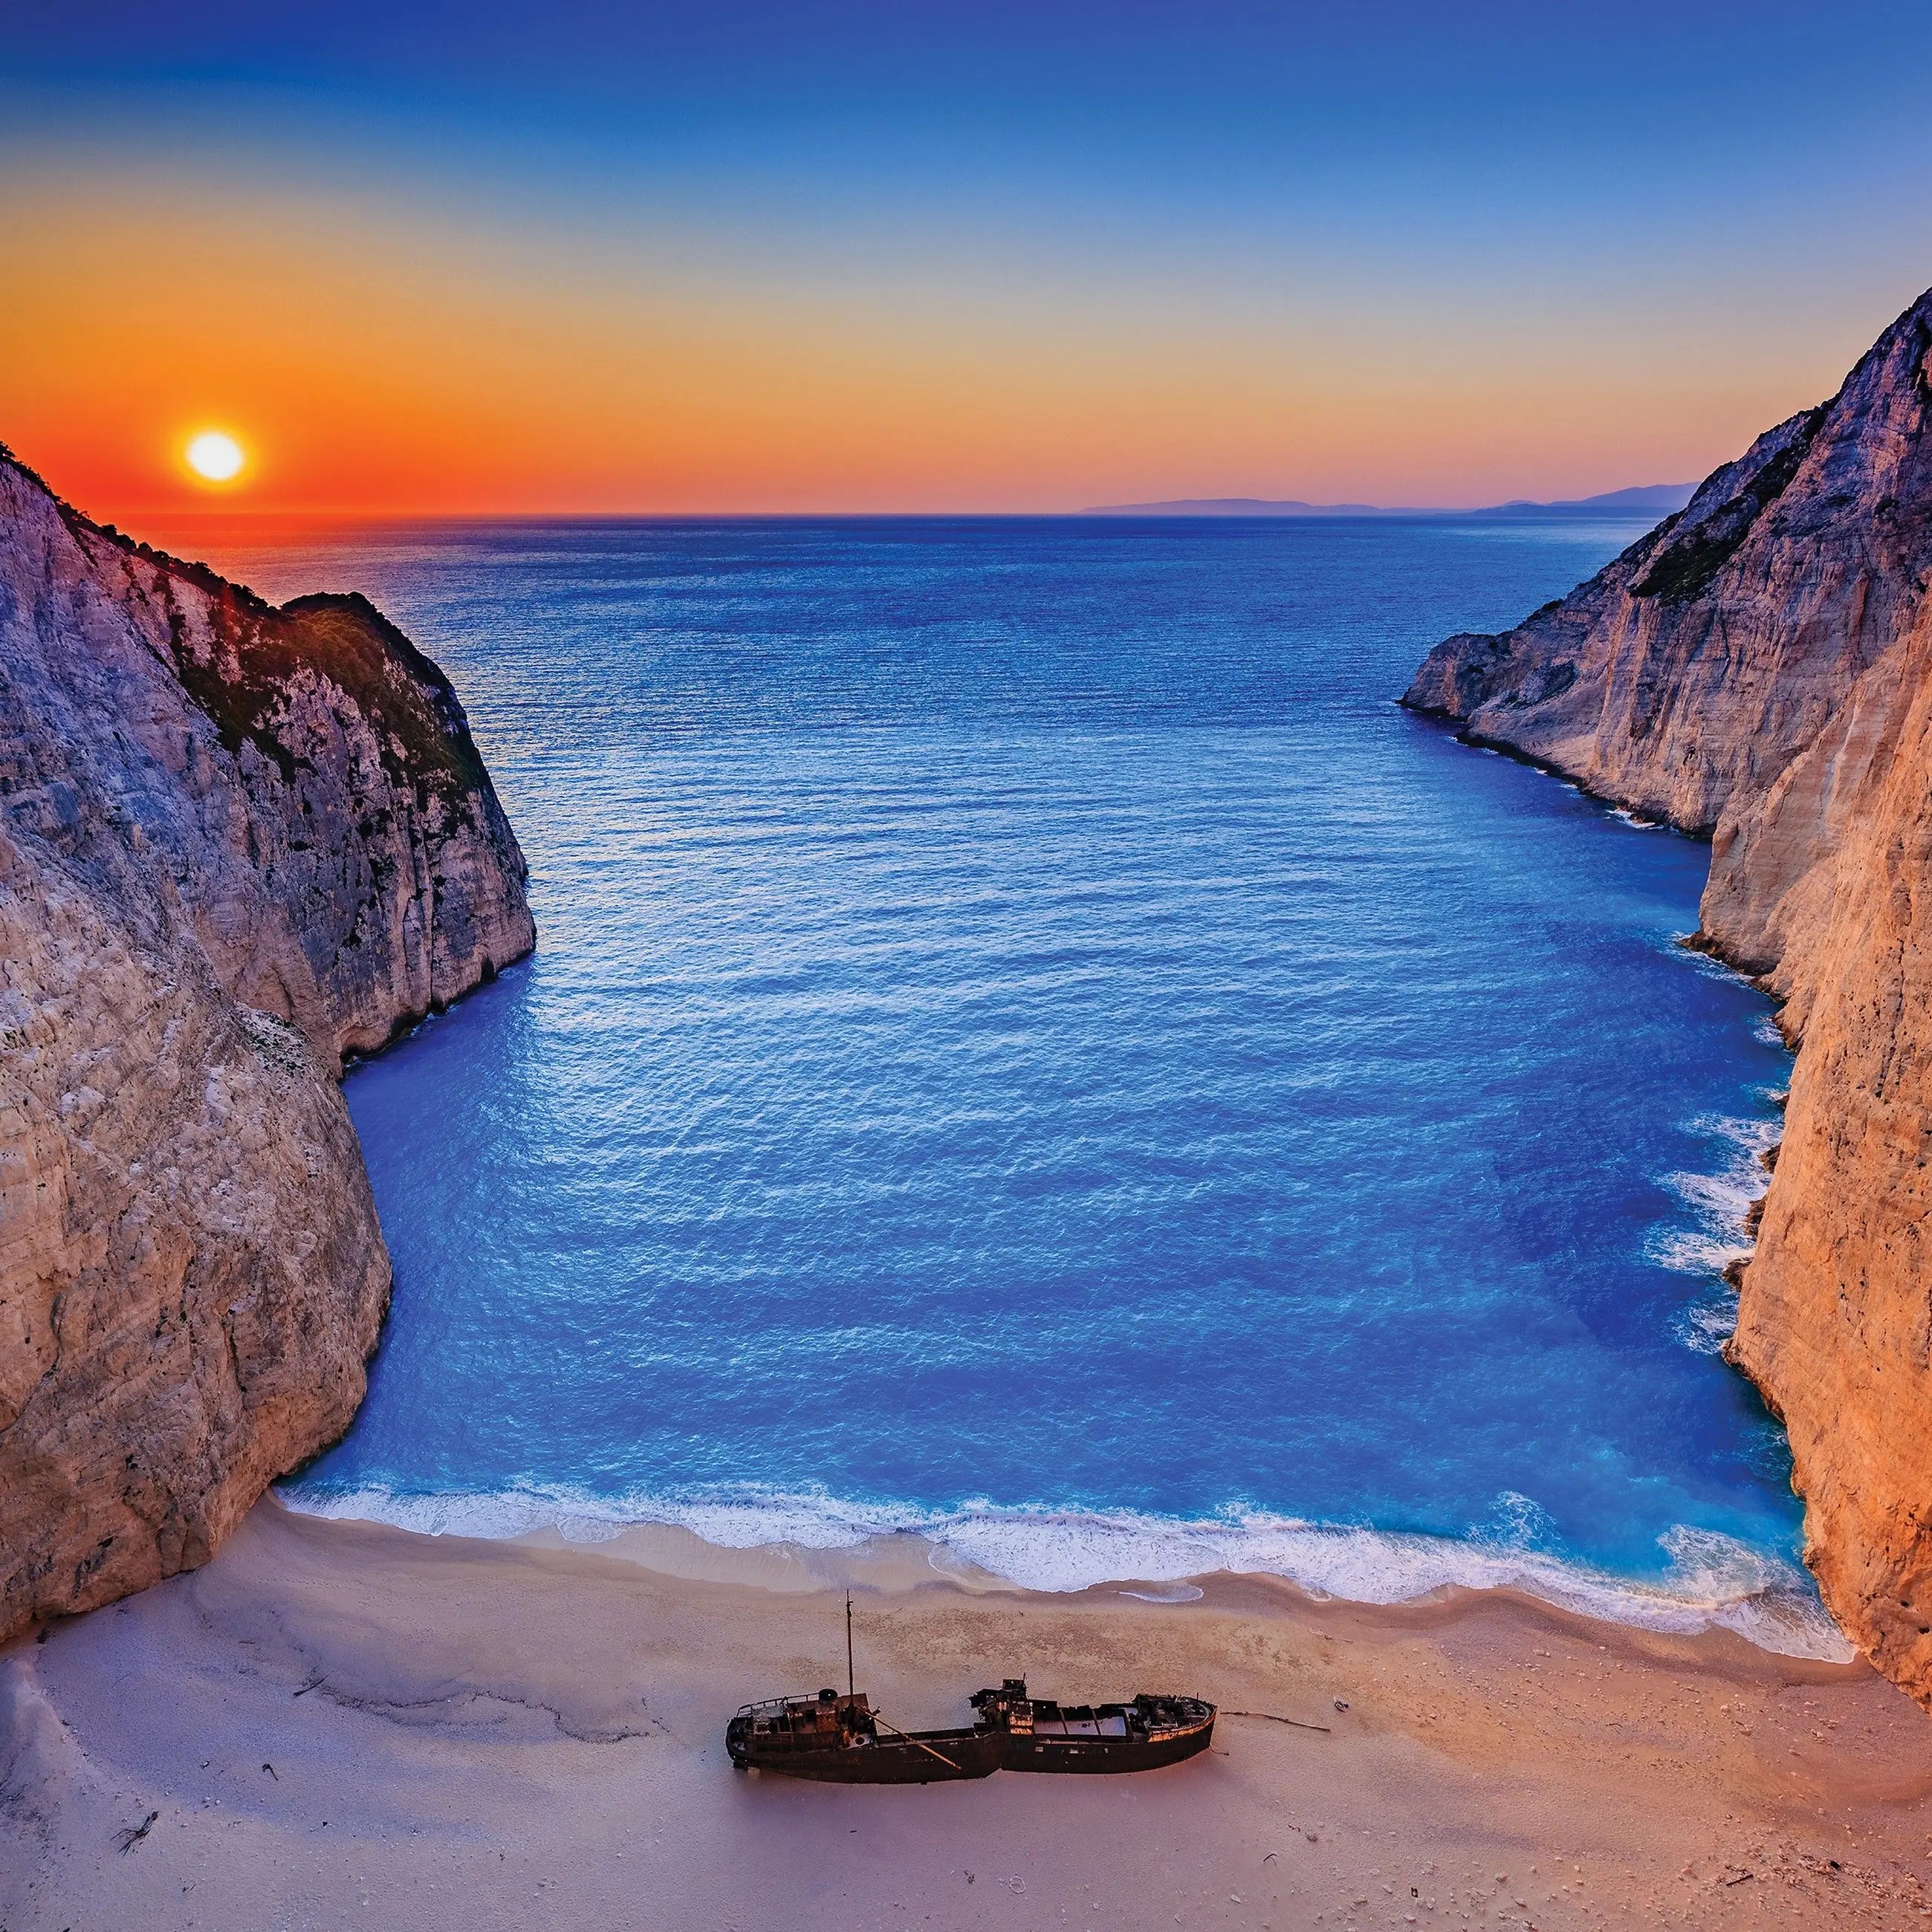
(772, 1706)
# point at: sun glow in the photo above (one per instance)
(216, 456)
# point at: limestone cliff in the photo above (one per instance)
(236, 843)
(1759, 668)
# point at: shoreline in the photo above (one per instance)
(807, 1543)
(347, 1723)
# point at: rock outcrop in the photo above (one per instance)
(237, 844)
(1758, 669)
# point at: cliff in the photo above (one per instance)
(1758, 669)
(236, 843)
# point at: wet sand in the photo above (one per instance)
(342, 1724)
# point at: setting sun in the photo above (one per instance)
(215, 456)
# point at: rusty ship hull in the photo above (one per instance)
(835, 1740)
(1141, 1735)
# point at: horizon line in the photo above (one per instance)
(1176, 510)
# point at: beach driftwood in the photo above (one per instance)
(131, 1835)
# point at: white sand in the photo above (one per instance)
(500, 1735)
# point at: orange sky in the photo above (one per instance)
(375, 358)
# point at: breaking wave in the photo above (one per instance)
(1708, 1580)
(1719, 1204)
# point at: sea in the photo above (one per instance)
(1029, 1046)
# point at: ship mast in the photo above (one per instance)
(848, 1646)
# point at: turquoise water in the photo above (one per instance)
(1028, 1043)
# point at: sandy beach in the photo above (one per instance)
(342, 1724)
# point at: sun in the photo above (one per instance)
(215, 455)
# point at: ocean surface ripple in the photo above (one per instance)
(1029, 1046)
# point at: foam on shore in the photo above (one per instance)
(1719, 1203)
(1710, 1579)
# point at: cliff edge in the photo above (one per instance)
(237, 843)
(1758, 669)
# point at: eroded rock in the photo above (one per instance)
(236, 843)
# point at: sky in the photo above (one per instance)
(830, 257)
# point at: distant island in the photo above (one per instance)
(1657, 498)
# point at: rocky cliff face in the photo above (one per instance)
(236, 843)
(1760, 668)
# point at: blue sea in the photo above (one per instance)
(1029, 1044)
